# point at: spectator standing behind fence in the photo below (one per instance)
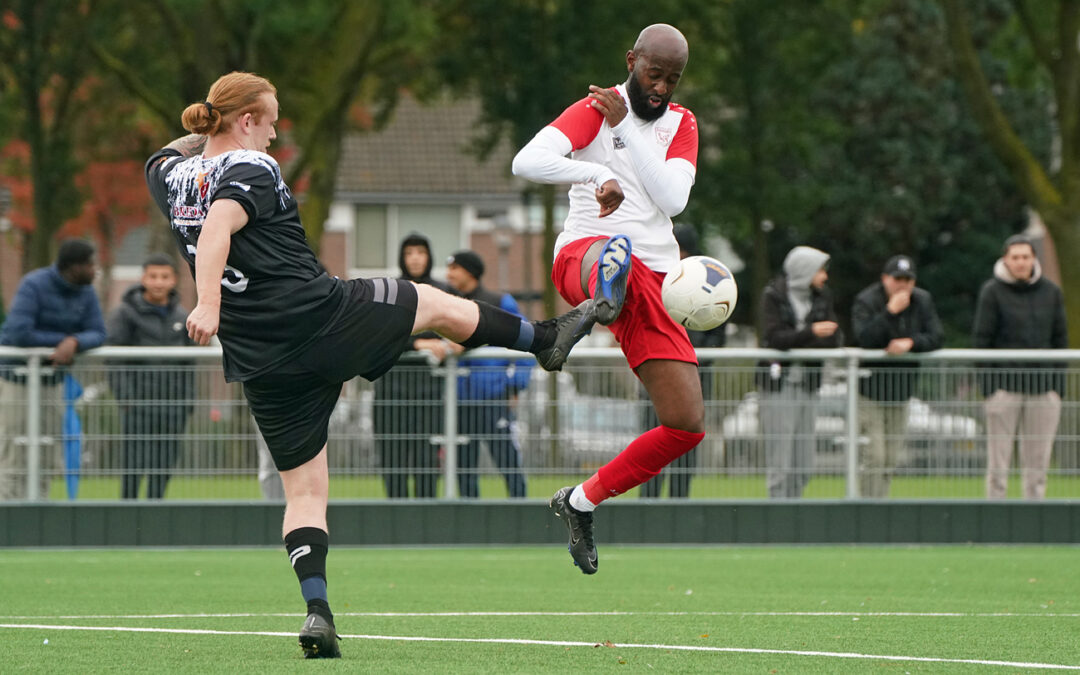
(408, 410)
(796, 312)
(54, 307)
(154, 397)
(891, 314)
(484, 395)
(1018, 308)
(680, 470)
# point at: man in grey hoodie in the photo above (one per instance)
(1018, 308)
(796, 312)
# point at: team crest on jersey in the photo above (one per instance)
(617, 143)
(664, 135)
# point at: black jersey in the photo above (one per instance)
(276, 297)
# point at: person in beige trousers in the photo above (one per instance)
(1018, 308)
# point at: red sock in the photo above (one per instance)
(641, 460)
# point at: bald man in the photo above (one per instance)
(633, 158)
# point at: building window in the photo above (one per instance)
(440, 224)
(380, 229)
(369, 241)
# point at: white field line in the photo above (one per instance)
(1045, 615)
(563, 643)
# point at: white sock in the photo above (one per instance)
(579, 501)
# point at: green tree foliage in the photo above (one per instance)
(325, 58)
(42, 65)
(844, 129)
(528, 60)
(1040, 40)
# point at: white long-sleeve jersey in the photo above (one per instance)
(654, 162)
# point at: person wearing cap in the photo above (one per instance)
(796, 313)
(893, 315)
(484, 395)
(1019, 308)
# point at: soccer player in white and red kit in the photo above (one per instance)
(633, 158)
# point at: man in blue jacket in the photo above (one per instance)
(54, 307)
(484, 394)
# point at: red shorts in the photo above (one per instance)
(644, 329)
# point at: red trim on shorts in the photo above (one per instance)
(644, 330)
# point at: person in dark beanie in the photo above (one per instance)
(154, 397)
(485, 394)
(1019, 308)
(53, 307)
(890, 314)
(408, 398)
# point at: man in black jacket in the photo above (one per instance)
(893, 315)
(408, 412)
(155, 397)
(1020, 309)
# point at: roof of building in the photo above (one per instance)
(425, 150)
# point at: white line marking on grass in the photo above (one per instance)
(1046, 615)
(565, 643)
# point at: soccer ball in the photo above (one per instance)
(700, 293)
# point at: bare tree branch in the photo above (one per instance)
(1067, 88)
(1043, 49)
(1029, 175)
(134, 84)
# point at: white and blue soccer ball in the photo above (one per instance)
(700, 292)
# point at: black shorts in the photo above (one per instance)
(292, 403)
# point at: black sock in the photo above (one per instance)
(307, 548)
(499, 328)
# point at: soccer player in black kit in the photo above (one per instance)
(289, 332)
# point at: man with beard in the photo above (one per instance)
(633, 161)
(54, 307)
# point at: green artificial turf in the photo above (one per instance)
(708, 486)
(880, 606)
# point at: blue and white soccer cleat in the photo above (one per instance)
(613, 270)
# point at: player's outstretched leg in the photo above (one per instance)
(319, 638)
(613, 269)
(566, 331)
(474, 324)
(579, 524)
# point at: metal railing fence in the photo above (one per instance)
(136, 421)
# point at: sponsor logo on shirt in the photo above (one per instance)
(242, 186)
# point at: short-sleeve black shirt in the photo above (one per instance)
(276, 297)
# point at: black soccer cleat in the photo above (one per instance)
(579, 524)
(613, 270)
(569, 329)
(319, 638)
